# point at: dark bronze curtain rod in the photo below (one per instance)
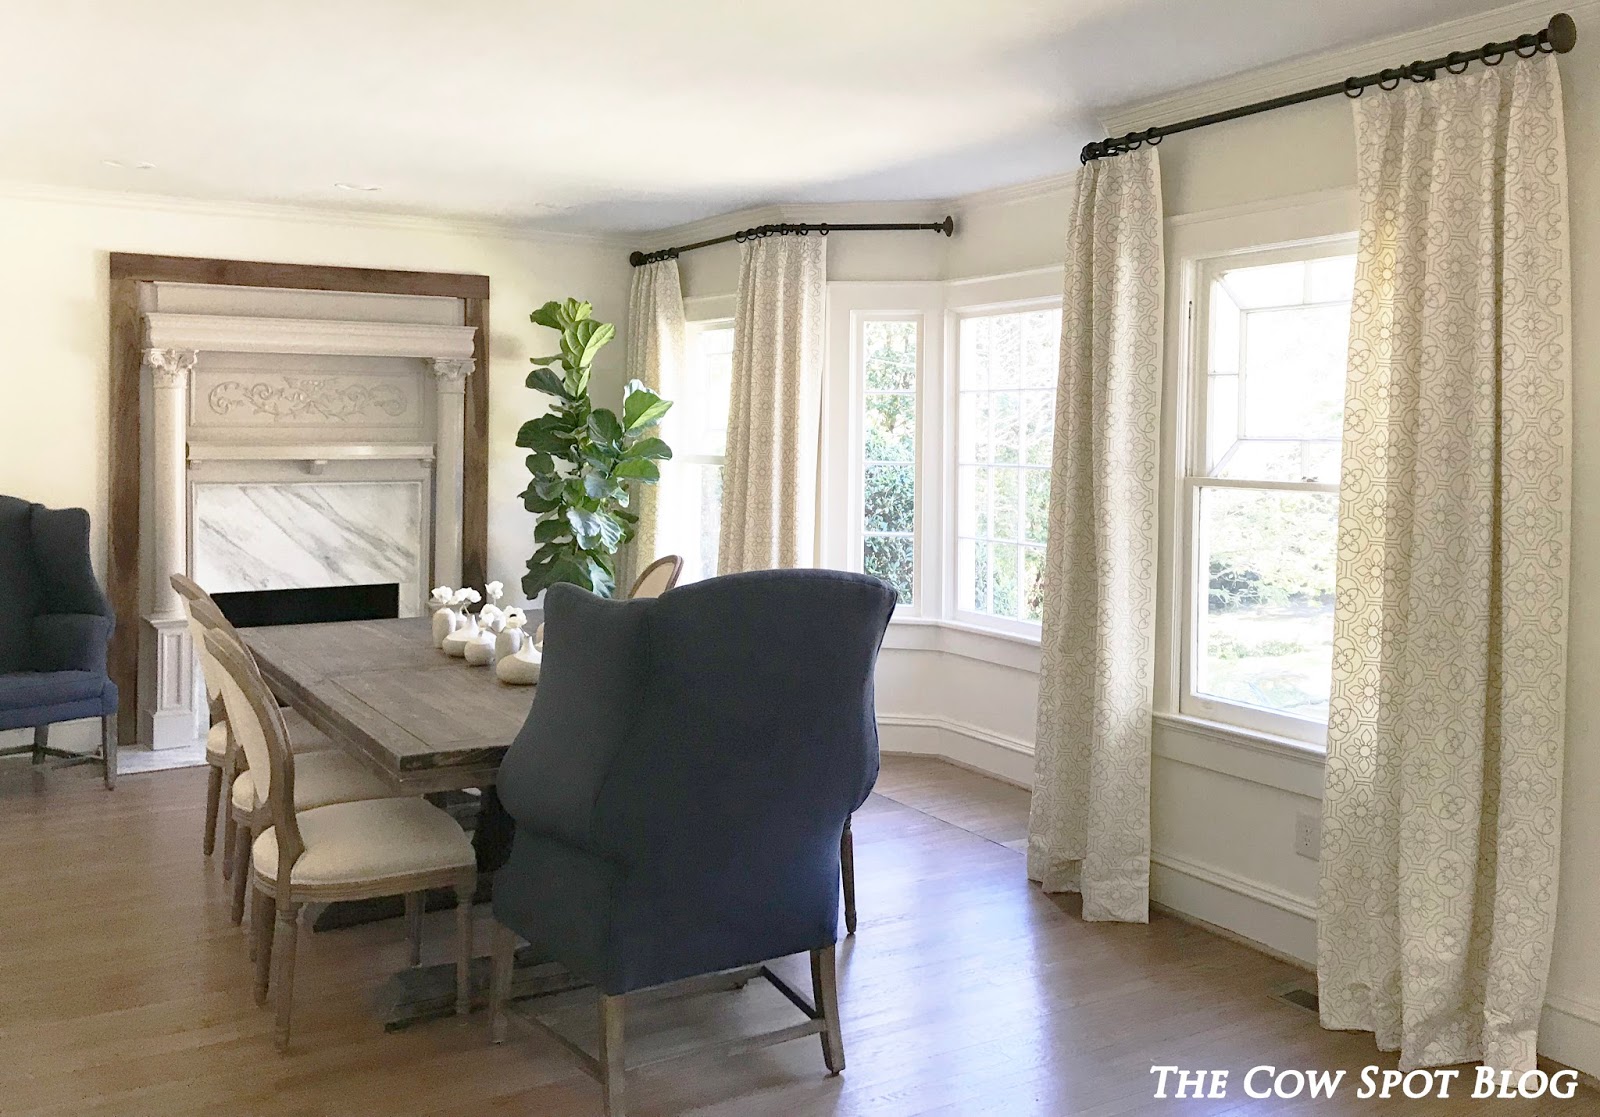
(947, 227)
(1560, 36)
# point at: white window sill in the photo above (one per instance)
(926, 634)
(1252, 738)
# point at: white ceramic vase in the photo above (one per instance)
(510, 639)
(521, 668)
(465, 632)
(479, 652)
(445, 620)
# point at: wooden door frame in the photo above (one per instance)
(128, 270)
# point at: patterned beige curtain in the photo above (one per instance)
(1441, 817)
(769, 485)
(656, 354)
(1090, 827)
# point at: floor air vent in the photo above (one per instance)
(1299, 996)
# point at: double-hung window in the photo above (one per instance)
(1005, 378)
(1259, 495)
(689, 498)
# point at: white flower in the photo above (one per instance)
(495, 591)
(470, 597)
(515, 617)
(442, 594)
(492, 617)
(459, 598)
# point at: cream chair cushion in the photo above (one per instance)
(303, 737)
(320, 778)
(355, 843)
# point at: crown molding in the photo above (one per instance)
(322, 337)
(1018, 192)
(284, 211)
(1309, 70)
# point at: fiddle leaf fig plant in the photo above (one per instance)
(584, 457)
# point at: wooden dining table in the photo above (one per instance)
(424, 721)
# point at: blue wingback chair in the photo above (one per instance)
(680, 789)
(54, 627)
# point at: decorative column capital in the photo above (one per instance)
(452, 372)
(170, 368)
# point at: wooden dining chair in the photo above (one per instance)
(326, 776)
(340, 852)
(303, 736)
(657, 578)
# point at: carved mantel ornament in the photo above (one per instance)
(170, 368)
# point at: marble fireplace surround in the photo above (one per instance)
(285, 452)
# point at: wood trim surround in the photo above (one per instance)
(127, 271)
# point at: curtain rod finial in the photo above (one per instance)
(1562, 33)
(948, 226)
(636, 259)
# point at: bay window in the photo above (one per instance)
(689, 497)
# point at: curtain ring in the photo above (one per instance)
(1389, 80)
(1530, 42)
(1353, 87)
(1418, 71)
(1456, 63)
(1488, 50)
(1154, 136)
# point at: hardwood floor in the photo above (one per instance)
(966, 992)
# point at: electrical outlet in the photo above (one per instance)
(1308, 836)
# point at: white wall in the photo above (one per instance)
(53, 315)
(53, 319)
(1224, 807)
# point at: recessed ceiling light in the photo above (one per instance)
(361, 187)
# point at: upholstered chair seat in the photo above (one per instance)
(352, 844)
(303, 737)
(321, 778)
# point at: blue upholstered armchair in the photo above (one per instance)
(54, 627)
(681, 785)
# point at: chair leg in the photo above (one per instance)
(241, 871)
(502, 952)
(825, 992)
(41, 742)
(264, 914)
(230, 835)
(414, 902)
(613, 1067)
(466, 887)
(208, 842)
(108, 749)
(847, 871)
(283, 968)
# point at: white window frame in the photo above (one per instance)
(693, 327)
(1019, 293)
(1323, 225)
(840, 539)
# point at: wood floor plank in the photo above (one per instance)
(966, 992)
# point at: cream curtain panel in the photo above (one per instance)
(1090, 826)
(769, 481)
(1441, 817)
(655, 357)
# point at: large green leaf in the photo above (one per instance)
(595, 530)
(597, 485)
(541, 463)
(548, 531)
(604, 427)
(652, 449)
(548, 315)
(544, 380)
(641, 407)
(639, 469)
(548, 434)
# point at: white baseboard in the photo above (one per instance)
(1262, 913)
(1569, 1033)
(970, 746)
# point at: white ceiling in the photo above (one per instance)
(616, 114)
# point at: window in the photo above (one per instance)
(1006, 370)
(1267, 371)
(889, 363)
(689, 498)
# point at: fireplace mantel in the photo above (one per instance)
(288, 436)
